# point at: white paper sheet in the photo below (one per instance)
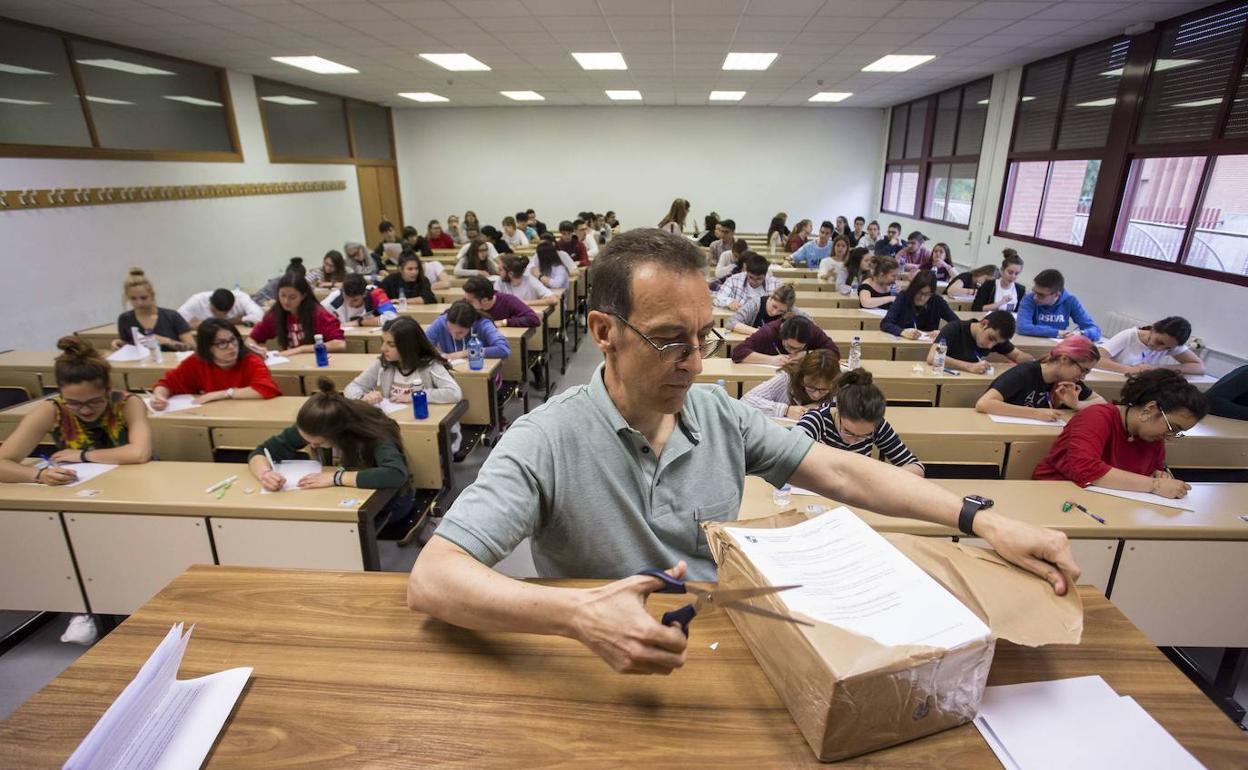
(852, 577)
(128, 353)
(158, 722)
(273, 359)
(176, 403)
(1097, 728)
(294, 470)
(85, 471)
(1144, 497)
(182, 355)
(1025, 421)
(390, 407)
(881, 312)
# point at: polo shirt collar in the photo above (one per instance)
(601, 400)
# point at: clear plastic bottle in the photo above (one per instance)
(149, 343)
(420, 401)
(476, 353)
(855, 353)
(938, 360)
(782, 496)
(721, 384)
(322, 351)
(402, 299)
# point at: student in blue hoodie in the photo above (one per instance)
(1048, 309)
(451, 331)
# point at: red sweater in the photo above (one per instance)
(1094, 441)
(325, 323)
(443, 241)
(195, 376)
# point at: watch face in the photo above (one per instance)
(979, 499)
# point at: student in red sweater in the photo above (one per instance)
(781, 341)
(295, 320)
(568, 243)
(221, 368)
(437, 238)
(1124, 447)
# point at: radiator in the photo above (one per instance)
(1116, 322)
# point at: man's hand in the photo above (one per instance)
(1044, 552)
(979, 367)
(780, 359)
(613, 622)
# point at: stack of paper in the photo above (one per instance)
(175, 403)
(158, 722)
(128, 353)
(293, 470)
(1075, 724)
(1026, 421)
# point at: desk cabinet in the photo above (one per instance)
(328, 545)
(38, 569)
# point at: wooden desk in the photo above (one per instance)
(360, 339)
(825, 294)
(110, 552)
(844, 318)
(326, 688)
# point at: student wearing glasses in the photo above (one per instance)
(1049, 309)
(222, 368)
(672, 457)
(801, 385)
(1038, 389)
(779, 342)
(855, 422)
(1124, 446)
(919, 310)
(1141, 348)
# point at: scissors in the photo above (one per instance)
(708, 600)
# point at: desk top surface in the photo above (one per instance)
(345, 676)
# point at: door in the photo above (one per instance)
(379, 198)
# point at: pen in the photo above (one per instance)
(951, 371)
(1066, 506)
(269, 457)
(226, 482)
(47, 461)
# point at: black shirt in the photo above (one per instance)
(967, 280)
(962, 347)
(1229, 397)
(1024, 385)
(885, 249)
(411, 289)
(169, 323)
(502, 246)
(868, 288)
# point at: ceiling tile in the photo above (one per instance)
(486, 9)
(1039, 28)
(863, 8)
(555, 8)
(784, 8)
(1080, 11)
(426, 9)
(930, 9)
(623, 8)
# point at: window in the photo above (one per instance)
(306, 126)
(944, 170)
(370, 127)
(69, 97)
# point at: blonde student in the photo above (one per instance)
(855, 422)
(674, 221)
(757, 312)
(801, 385)
(1141, 348)
(1038, 389)
(407, 355)
(170, 328)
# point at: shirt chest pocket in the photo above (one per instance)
(682, 529)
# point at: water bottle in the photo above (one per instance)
(402, 299)
(322, 352)
(893, 289)
(237, 287)
(782, 496)
(149, 342)
(420, 401)
(938, 360)
(720, 384)
(855, 353)
(476, 353)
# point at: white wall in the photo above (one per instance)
(744, 163)
(64, 267)
(1103, 285)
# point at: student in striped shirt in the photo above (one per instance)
(856, 422)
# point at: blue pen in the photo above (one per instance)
(47, 461)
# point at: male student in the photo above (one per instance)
(813, 252)
(503, 309)
(583, 235)
(1048, 309)
(914, 254)
(233, 306)
(727, 231)
(536, 223)
(859, 231)
(971, 342)
(359, 304)
(889, 245)
(414, 241)
(388, 235)
(872, 237)
(671, 457)
(523, 224)
(755, 280)
(568, 242)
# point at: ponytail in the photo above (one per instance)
(354, 427)
(79, 362)
(859, 398)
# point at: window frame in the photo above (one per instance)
(351, 158)
(95, 151)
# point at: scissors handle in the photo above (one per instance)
(670, 584)
(682, 616)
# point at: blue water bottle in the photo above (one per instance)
(476, 354)
(420, 401)
(322, 352)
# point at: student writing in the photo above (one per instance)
(1048, 309)
(779, 342)
(295, 320)
(232, 306)
(919, 310)
(451, 331)
(1141, 348)
(757, 312)
(503, 309)
(731, 261)
(222, 368)
(801, 385)
(1037, 389)
(855, 422)
(406, 355)
(267, 294)
(358, 304)
(972, 344)
(410, 281)
(170, 328)
(755, 280)
(878, 290)
(965, 285)
(1004, 292)
(518, 282)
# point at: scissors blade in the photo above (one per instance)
(737, 594)
(739, 607)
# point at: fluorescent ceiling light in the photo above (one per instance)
(423, 96)
(456, 62)
(289, 101)
(195, 100)
(25, 102)
(896, 62)
(317, 64)
(612, 60)
(106, 100)
(727, 96)
(831, 96)
(1200, 103)
(1024, 99)
(124, 66)
(624, 96)
(749, 61)
(13, 69)
(1098, 103)
(524, 96)
(1161, 66)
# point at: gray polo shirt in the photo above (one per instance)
(597, 503)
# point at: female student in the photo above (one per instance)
(777, 231)
(1005, 293)
(407, 355)
(470, 222)
(798, 237)
(410, 280)
(877, 291)
(842, 228)
(267, 295)
(1229, 396)
(964, 285)
(1037, 389)
(517, 281)
(858, 267)
(170, 328)
(436, 238)
(358, 260)
(970, 344)
(451, 331)
(1124, 446)
(940, 261)
(781, 341)
(674, 221)
(333, 270)
(757, 312)
(295, 320)
(856, 422)
(222, 368)
(832, 267)
(711, 232)
(478, 259)
(552, 268)
(918, 310)
(800, 385)
(1141, 348)
(455, 231)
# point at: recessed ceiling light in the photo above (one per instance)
(1200, 103)
(24, 102)
(106, 100)
(601, 61)
(1100, 103)
(13, 69)
(423, 96)
(195, 100)
(124, 66)
(831, 96)
(1161, 66)
(524, 96)
(727, 96)
(896, 62)
(624, 96)
(290, 101)
(456, 62)
(749, 61)
(317, 64)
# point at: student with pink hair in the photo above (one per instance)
(1038, 389)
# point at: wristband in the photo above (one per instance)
(82, 456)
(338, 476)
(39, 473)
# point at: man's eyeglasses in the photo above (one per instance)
(1170, 431)
(676, 352)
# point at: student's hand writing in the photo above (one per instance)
(55, 477)
(979, 367)
(67, 456)
(208, 398)
(780, 360)
(272, 480)
(613, 622)
(1068, 333)
(1044, 552)
(317, 481)
(1172, 488)
(157, 403)
(1047, 415)
(118, 344)
(910, 334)
(734, 305)
(372, 398)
